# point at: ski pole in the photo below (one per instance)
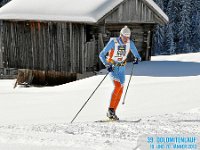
(89, 97)
(128, 85)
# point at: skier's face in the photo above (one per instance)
(125, 39)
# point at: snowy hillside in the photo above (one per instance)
(163, 92)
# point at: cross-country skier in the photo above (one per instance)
(117, 49)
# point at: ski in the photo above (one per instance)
(111, 120)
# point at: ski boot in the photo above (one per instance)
(111, 114)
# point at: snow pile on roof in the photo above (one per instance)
(59, 10)
(88, 11)
(157, 9)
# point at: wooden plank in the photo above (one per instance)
(83, 67)
(100, 48)
(71, 47)
(67, 48)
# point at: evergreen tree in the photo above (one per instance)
(3, 2)
(158, 40)
(195, 25)
(174, 13)
(184, 30)
(181, 34)
(158, 36)
(169, 40)
(169, 34)
(165, 4)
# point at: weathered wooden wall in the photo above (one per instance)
(1, 59)
(62, 47)
(131, 11)
(1, 50)
(8, 73)
(48, 46)
(2, 2)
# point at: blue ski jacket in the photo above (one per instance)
(118, 52)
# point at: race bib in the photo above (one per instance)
(121, 52)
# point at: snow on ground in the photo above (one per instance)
(163, 92)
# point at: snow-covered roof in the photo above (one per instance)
(88, 11)
(152, 5)
(57, 10)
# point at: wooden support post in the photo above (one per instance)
(148, 54)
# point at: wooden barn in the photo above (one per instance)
(5, 73)
(64, 38)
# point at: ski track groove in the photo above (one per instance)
(107, 133)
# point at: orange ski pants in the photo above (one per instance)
(116, 95)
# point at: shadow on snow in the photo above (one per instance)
(164, 69)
